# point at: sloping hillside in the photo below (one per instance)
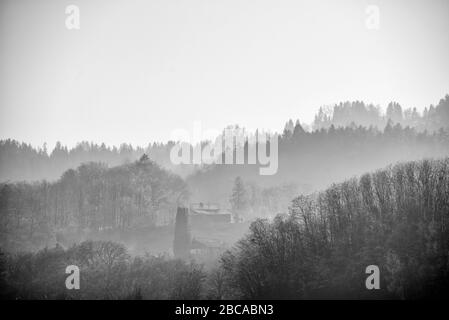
(395, 218)
(93, 198)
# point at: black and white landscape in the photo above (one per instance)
(220, 150)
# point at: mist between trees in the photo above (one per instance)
(396, 218)
(90, 199)
(103, 208)
(96, 198)
(20, 161)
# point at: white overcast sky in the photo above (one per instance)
(138, 70)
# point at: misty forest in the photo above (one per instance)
(359, 186)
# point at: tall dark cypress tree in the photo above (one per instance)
(182, 242)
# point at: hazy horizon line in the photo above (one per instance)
(306, 126)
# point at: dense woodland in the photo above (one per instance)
(359, 113)
(90, 199)
(96, 197)
(310, 161)
(108, 272)
(303, 242)
(20, 161)
(396, 218)
(23, 162)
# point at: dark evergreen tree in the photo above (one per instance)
(182, 241)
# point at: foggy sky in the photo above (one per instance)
(138, 70)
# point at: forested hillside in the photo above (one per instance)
(21, 161)
(357, 112)
(396, 218)
(91, 198)
(310, 161)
